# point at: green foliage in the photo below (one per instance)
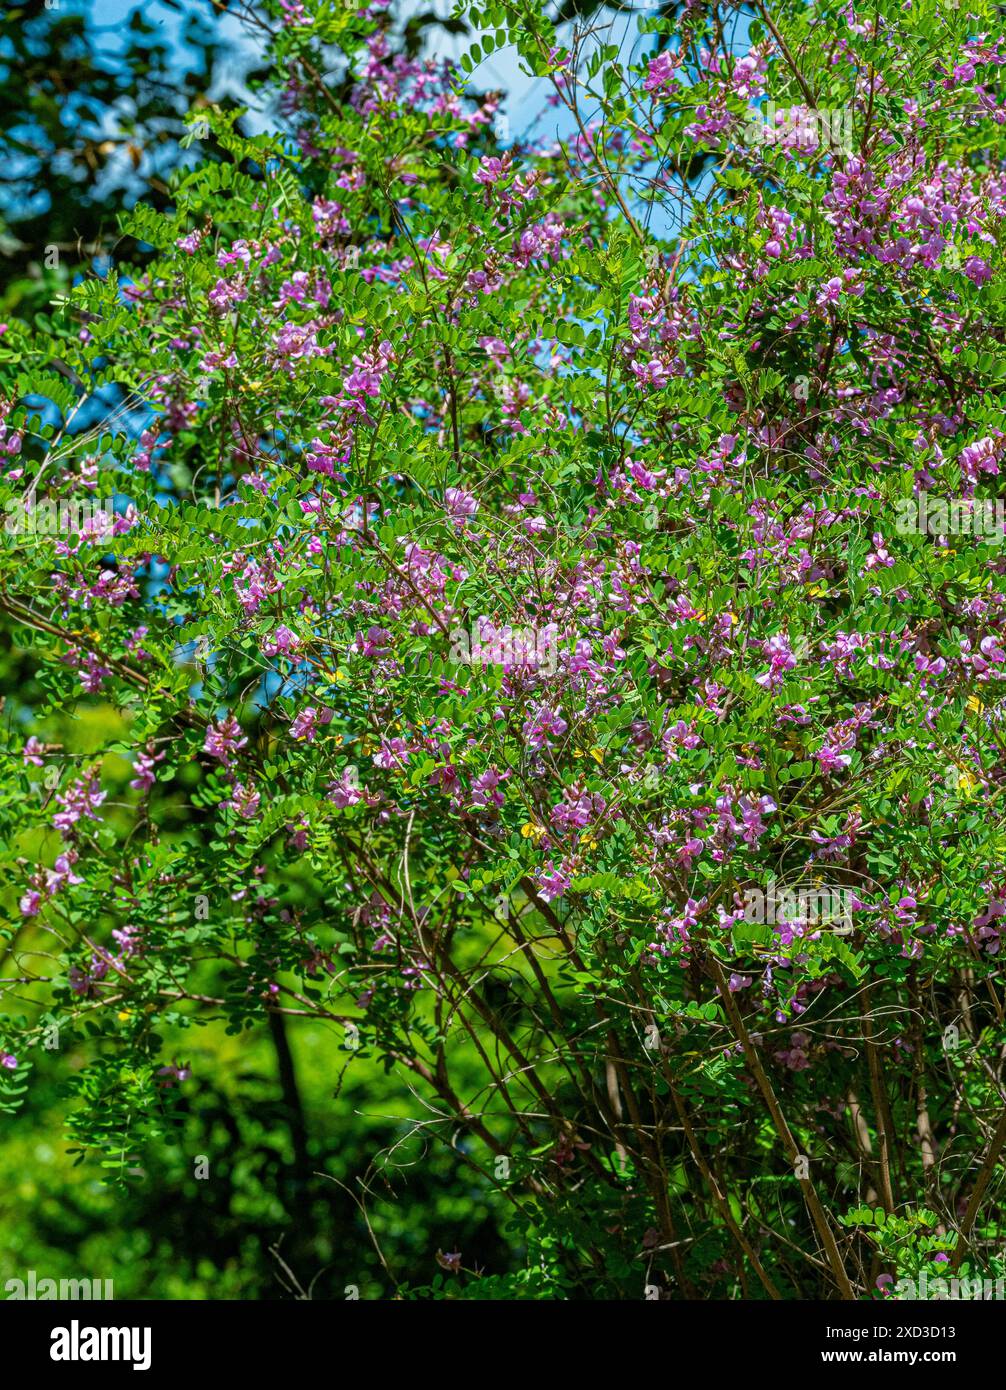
(503, 605)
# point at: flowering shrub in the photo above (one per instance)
(507, 584)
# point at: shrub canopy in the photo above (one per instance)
(550, 622)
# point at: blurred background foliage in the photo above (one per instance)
(326, 1175)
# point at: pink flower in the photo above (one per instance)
(830, 292)
(485, 789)
(82, 982)
(80, 801)
(174, 1072)
(304, 727)
(577, 811)
(224, 739)
(244, 800)
(981, 457)
(651, 373)
(460, 505)
(661, 70)
(392, 753)
(490, 171)
(372, 643)
(781, 659)
(795, 1056)
(552, 882)
(32, 752)
(283, 640)
(346, 791)
(226, 293)
(144, 768)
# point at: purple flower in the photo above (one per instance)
(32, 752)
(80, 800)
(244, 800)
(224, 739)
(661, 70)
(144, 768)
(552, 882)
(490, 171)
(304, 726)
(485, 789)
(460, 504)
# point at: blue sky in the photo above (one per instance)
(526, 96)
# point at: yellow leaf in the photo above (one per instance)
(596, 753)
